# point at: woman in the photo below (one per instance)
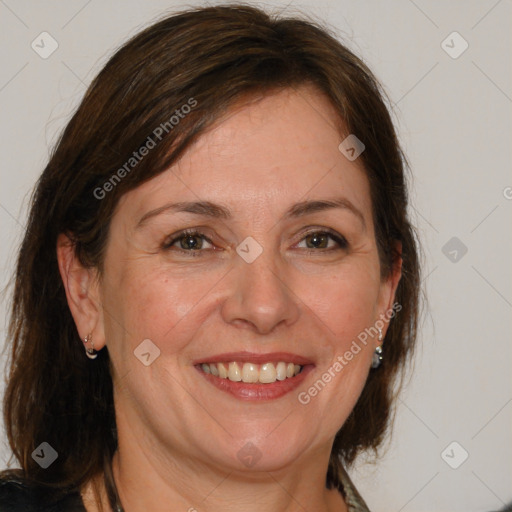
(223, 228)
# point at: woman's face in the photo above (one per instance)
(283, 269)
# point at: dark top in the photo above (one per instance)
(17, 495)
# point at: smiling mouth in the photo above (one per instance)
(251, 373)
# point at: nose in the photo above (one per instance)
(260, 296)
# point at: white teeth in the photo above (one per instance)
(268, 373)
(223, 373)
(234, 373)
(281, 370)
(252, 373)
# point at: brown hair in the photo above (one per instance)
(214, 56)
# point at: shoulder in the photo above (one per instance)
(353, 499)
(18, 494)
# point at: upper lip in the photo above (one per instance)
(256, 358)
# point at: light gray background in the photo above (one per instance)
(454, 120)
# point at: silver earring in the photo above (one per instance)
(377, 355)
(90, 352)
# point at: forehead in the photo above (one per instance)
(265, 152)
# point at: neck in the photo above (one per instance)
(148, 481)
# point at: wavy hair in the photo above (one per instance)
(217, 56)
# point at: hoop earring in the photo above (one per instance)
(377, 355)
(90, 352)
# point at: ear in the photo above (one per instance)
(388, 288)
(82, 292)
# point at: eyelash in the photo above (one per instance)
(339, 239)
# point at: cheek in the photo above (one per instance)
(345, 305)
(150, 301)
(345, 301)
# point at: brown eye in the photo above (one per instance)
(324, 240)
(191, 242)
(317, 241)
(188, 242)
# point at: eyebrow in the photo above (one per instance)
(216, 211)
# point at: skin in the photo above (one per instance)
(179, 435)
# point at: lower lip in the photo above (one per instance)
(258, 392)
